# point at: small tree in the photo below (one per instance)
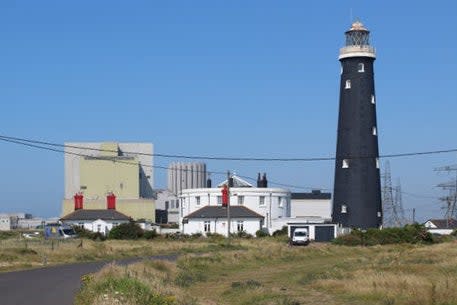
(129, 230)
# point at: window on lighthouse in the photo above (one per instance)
(348, 84)
(361, 67)
(374, 131)
(373, 99)
(345, 163)
(344, 209)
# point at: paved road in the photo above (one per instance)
(52, 285)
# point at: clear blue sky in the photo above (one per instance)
(225, 78)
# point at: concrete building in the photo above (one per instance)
(167, 207)
(272, 204)
(314, 204)
(357, 188)
(96, 170)
(5, 222)
(186, 176)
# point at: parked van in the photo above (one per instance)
(300, 237)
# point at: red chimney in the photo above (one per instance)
(111, 201)
(78, 201)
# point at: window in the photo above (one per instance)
(373, 99)
(177, 203)
(344, 209)
(115, 224)
(377, 162)
(341, 71)
(374, 131)
(360, 67)
(348, 84)
(379, 214)
(219, 200)
(345, 163)
(261, 200)
(240, 200)
(207, 226)
(99, 228)
(240, 226)
(197, 200)
(167, 205)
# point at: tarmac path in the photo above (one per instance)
(56, 285)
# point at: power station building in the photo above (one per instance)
(98, 173)
(186, 176)
(357, 189)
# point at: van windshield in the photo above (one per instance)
(69, 231)
(300, 233)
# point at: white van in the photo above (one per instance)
(300, 237)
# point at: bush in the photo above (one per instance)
(411, 234)
(129, 230)
(150, 234)
(83, 233)
(241, 234)
(261, 233)
(282, 232)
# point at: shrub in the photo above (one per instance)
(83, 233)
(261, 233)
(412, 234)
(241, 234)
(150, 234)
(196, 235)
(129, 230)
(282, 232)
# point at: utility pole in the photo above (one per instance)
(228, 206)
(451, 186)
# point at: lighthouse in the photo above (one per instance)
(357, 188)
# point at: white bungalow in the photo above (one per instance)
(95, 220)
(441, 226)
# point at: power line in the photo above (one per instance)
(201, 157)
(145, 165)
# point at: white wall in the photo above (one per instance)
(219, 226)
(311, 207)
(5, 223)
(276, 202)
(93, 226)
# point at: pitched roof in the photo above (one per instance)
(237, 182)
(95, 214)
(443, 223)
(315, 194)
(221, 212)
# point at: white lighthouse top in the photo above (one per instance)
(357, 42)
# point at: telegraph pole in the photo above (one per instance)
(228, 205)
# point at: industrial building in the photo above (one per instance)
(357, 187)
(98, 170)
(186, 176)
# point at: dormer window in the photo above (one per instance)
(360, 67)
(348, 84)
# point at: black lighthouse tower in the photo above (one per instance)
(357, 189)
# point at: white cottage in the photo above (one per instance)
(441, 226)
(213, 219)
(95, 220)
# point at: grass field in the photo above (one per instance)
(18, 254)
(267, 271)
